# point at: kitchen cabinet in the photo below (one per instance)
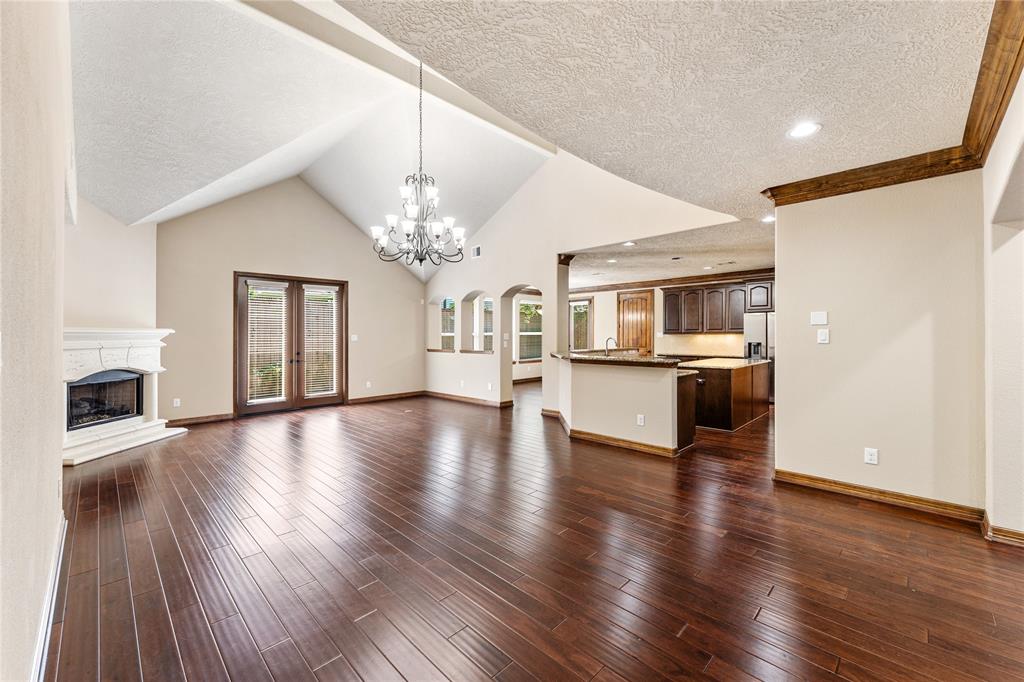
(730, 393)
(692, 307)
(717, 309)
(673, 312)
(735, 307)
(760, 297)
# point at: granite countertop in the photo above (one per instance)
(686, 372)
(625, 359)
(722, 363)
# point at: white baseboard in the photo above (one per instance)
(46, 622)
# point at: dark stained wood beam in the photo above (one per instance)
(719, 277)
(998, 74)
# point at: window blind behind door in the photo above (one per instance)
(267, 346)
(320, 336)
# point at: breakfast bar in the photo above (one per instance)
(629, 400)
(731, 392)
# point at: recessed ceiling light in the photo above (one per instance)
(768, 219)
(804, 129)
(707, 267)
(612, 260)
(629, 243)
(676, 257)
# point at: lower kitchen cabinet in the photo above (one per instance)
(729, 398)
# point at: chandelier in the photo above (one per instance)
(419, 235)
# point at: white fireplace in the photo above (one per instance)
(110, 391)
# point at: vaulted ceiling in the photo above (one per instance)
(180, 105)
(693, 99)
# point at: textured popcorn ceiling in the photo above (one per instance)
(181, 105)
(749, 245)
(694, 99)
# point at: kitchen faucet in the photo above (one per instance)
(606, 341)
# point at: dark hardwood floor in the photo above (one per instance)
(427, 539)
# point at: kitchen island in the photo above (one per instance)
(731, 392)
(629, 400)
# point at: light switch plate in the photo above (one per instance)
(819, 317)
(823, 336)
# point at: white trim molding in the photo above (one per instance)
(46, 619)
(88, 351)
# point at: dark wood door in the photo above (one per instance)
(760, 297)
(289, 343)
(672, 321)
(636, 320)
(735, 306)
(714, 310)
(692, 311)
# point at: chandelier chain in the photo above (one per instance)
(421, 117)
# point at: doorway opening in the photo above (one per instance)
(290, 342)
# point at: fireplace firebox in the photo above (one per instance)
(104, 397)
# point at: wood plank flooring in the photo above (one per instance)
(424, 539)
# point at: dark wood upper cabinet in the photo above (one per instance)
(692, 311)
(735, 306)
(714, 310)
(760, 297)
(673, 312)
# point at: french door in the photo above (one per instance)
(290, 349)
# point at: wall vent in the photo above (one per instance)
(475, 251)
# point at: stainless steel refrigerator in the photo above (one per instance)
(759, 328)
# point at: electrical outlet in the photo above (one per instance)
(823, 335)
(489, 386)
(462, 383)
(368, 384)
(355, 337)
(176, 402)
(871, 455)
(640, 419)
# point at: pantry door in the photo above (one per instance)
(290, 349)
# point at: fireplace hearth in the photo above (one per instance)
(104, 397)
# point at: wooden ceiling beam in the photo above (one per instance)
(998, 75)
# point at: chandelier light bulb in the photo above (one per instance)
(377, 231)
(431, 193)
(392, 220)
(437, 227)
(408, 226)
(405, 191)
(383, 241)
(459, 233)
(411, 210)
(449, 222)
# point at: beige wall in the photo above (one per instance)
(606, 399)
(35, 143)
(605, 325)
(109, 272)
(899, 270)
(284, 229)
(1004, 328)
(567, 205)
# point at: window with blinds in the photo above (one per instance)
(530, 332)
(580, 325)
(448, 324)
(267, 347)
(320, 336)
(488, 323)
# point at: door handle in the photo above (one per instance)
(701, 382)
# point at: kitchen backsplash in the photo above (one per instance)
(725, 345)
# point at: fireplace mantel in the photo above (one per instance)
(90, 350)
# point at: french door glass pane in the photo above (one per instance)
(268, 324)
(320, 307)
